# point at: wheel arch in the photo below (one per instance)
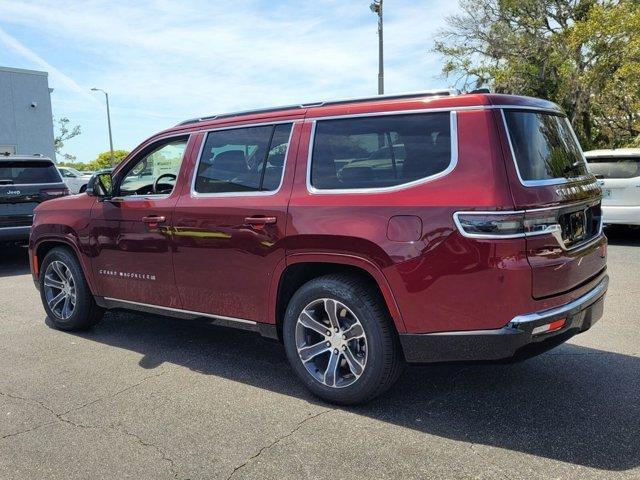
(45, 245)
(301, 268)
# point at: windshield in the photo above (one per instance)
(544, 146)
(28, 172)
(615, 167)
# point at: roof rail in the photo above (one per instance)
(392, 96)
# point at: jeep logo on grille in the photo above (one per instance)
(13, 192)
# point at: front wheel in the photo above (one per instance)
(340, 341)
(66, 297)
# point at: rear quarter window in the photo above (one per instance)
(615, 167)
(544, 146)
(380, 152)
(28, 172)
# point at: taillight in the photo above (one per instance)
(55, 192)
(507, 224)
(490, 224)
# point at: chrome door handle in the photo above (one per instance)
(153, 220)
(260, 220)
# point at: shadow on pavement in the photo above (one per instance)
(14, 260)
(574, 404)
(623, 235)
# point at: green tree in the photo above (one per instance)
(104, 159)
(63, 133)
(582, 54)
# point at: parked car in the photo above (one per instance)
(618, 172)
(25, 181)
(76, 181)
(362, 234)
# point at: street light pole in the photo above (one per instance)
(106, 95)
(376, 7)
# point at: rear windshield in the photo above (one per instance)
(544, 146)
(378, 152)
(28, 172)
(615, 167)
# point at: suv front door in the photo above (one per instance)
(130, 232)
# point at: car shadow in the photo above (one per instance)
(623, 235)
(14, 260)
(574, 404)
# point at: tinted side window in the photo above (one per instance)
(544, 146)
(276, 157)
(243, 159)
(375, 152)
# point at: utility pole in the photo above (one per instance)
(376, 7)
(106, 95)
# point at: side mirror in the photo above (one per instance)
(100, 185)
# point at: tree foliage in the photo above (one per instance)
(63, 133)
(582, 54)
(102, 161)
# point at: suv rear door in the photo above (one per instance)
(229, 223)
(24, 183)
(549, 180)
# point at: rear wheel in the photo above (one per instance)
(340, 341)
(65, 294)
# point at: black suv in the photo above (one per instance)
(25, 181)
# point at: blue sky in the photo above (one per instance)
(165, 61)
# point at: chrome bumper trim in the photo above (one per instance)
(563, 310)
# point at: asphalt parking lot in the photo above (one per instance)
(150, 397)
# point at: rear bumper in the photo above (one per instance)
(515, 341)
(13, 234)
(621, 215)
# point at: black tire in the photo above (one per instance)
(83, 189)
(86, 312)
(384, 360)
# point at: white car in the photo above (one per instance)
(618, 173)
(76, 181)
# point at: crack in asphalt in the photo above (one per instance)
(61, 416)
(165, 457)
(276, 441)
(118, 429)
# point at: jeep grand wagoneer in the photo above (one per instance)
(362, 234)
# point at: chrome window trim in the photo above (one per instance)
(453, 124)
(192, 188)
(548, 181)
(190, 312)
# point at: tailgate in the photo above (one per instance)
(17, 204)
(550, 182)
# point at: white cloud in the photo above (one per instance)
(163, 61)
(55, 74)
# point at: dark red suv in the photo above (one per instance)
(363, 234)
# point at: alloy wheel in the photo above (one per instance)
(331, 343)
(60, 289)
